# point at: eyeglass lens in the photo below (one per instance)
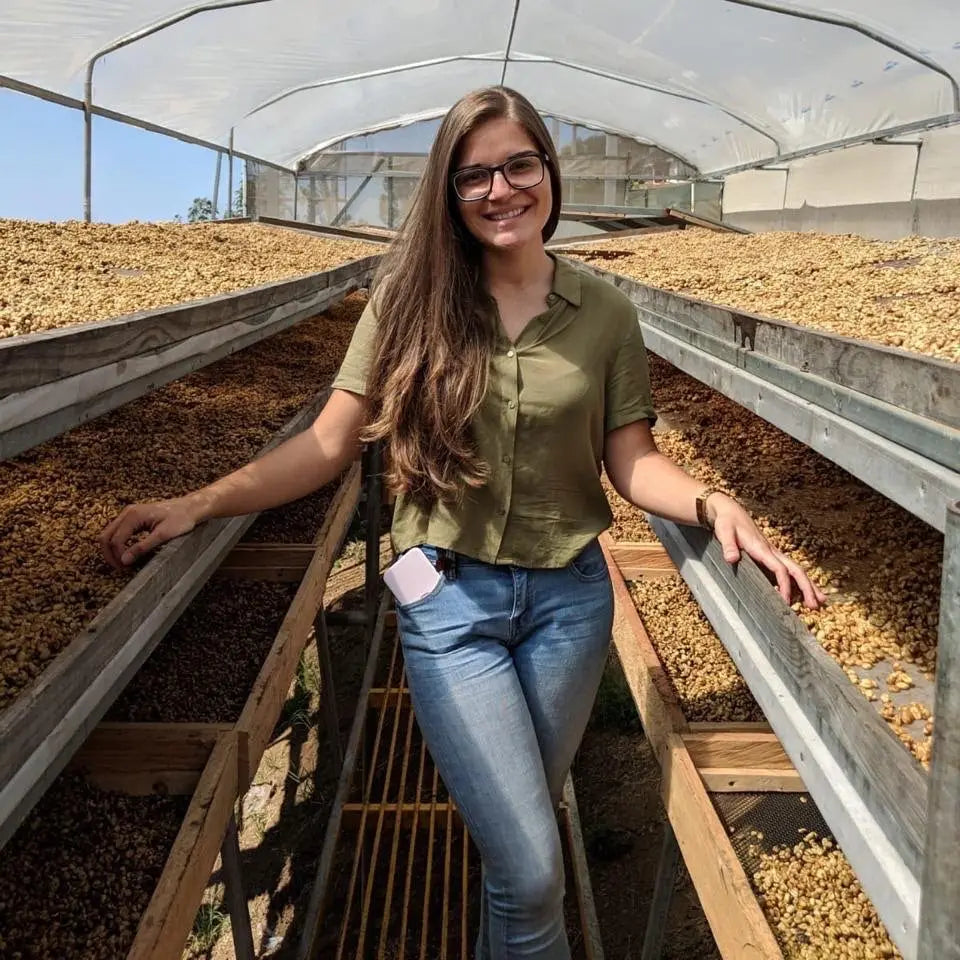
(520, 172)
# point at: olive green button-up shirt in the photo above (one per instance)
(576, 372)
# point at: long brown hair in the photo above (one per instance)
(434, 336)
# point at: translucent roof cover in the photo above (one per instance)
(722, 84)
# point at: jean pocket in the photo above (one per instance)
(590, 564)
(413, 604)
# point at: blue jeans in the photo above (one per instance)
(503, 665)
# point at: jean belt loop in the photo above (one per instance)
(447, 563)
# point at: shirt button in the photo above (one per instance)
(551, 298)
(507, 460)
(512, 404)
(511, 353)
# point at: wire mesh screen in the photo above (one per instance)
(758, 822)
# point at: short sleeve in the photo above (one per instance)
(360, 354)
(628, 397)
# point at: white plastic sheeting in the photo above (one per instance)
(720, 83)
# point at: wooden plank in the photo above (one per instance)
(736, 749)
(41, 358)
(48, 409)
(45, 725)
(639, 560)
(168, 919)
(394, 813)
(285, 563)
(262, 709)
(653, 693)
(736, 920)
(920, 485)
(741, 929)
(695, 220)
(143, 758)
(751, 780)
(346, 233)
(838, 744)
(731, 726)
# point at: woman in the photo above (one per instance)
(499, 378)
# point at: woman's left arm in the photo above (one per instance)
(653, 482)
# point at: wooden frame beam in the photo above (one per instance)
(262, 709)
(642, 560)
(735, 917)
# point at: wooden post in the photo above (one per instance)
(940, 898)
(662, 894)
(235, 896)
(327, 690)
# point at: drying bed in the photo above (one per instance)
(901, 294)
(56, 275)
(55, 499)
(880, 623)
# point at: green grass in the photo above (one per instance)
(297, 709)
(209, 925)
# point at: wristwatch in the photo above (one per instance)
(701, 501)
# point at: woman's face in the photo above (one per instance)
(508, 218)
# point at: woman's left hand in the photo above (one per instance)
(736, 532)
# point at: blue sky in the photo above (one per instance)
(136, 175)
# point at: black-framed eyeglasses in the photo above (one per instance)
(522, 172)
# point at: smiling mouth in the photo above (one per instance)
(506, 214)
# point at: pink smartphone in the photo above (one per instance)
(412, 577)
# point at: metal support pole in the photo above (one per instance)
(87, 141)
(389, 194)
(234, 895)
(230, 177)
(216, 185)
(327, 690)
(662, 894)
(940, 891)
(915, 218)
(296, 193)
(374, 465)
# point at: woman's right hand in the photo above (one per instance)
(162, 519)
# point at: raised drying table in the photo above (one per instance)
(54, 380)
(50, 719)
(891, 419)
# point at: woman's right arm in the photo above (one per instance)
(300, 465)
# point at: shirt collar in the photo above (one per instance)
(566, 280)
